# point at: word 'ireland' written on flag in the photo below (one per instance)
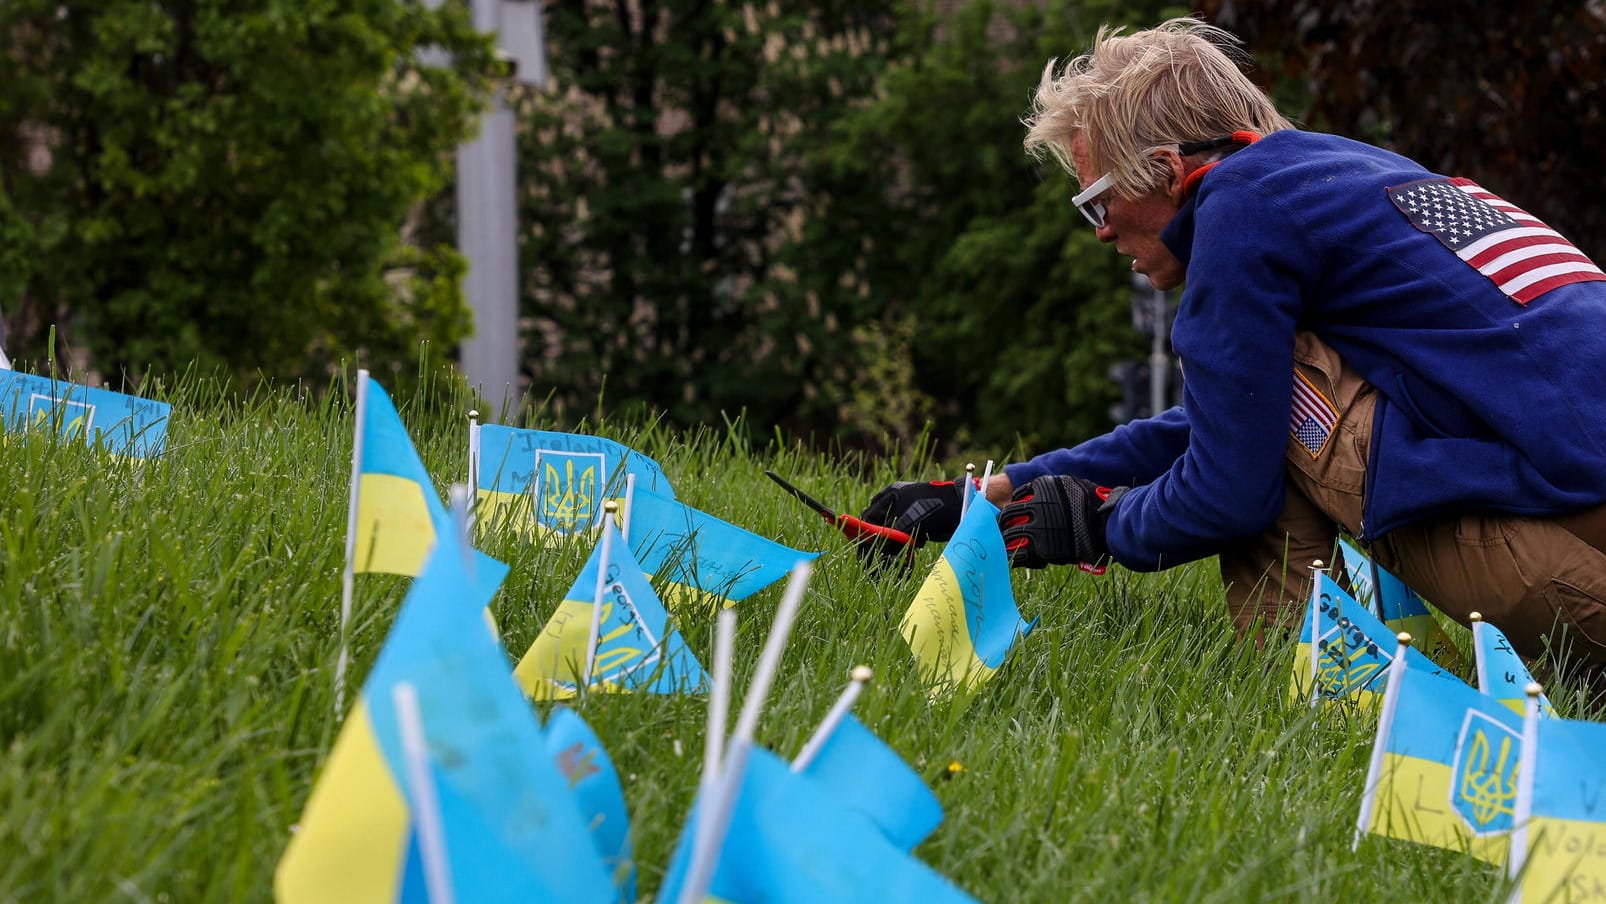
(552, 483)
(1513, 248)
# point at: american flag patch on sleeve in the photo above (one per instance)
(1313, 418)
(1513, 248)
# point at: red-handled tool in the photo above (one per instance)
(852, 527)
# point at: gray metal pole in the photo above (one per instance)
(487, 234)
(1159, 358)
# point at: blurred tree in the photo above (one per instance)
(225, 183)
(820, 214)
(1508, 94)
(663, 176)
(1013, 308)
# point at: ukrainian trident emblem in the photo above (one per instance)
(1483, 779)
(568, 488)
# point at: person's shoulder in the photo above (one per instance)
(1295, 156)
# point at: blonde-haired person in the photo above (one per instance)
(1367, 346)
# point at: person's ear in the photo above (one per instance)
(1172, 173)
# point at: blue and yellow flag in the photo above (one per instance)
(699, 559)
(1399, 607)
(862, 773)
(1564, 858)
(512, 831)
(1449, 773)
(1355, 650)
(1501, 672)
(963, 620)
(399, 513)
(553, 484)
(789, 842)
(594, 782)
(637, 649)
(122, 424)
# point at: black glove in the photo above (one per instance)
(1057, 520)
(924, 511)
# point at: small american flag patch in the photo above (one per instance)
(1513, 248)
(1313, 418)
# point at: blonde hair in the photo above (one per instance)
(1175, 83)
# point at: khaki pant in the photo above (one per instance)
(1535, 579)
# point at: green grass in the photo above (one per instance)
(168, 635)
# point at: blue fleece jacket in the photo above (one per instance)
(1485, 404)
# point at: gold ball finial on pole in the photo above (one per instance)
(861, 674)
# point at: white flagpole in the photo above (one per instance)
(630, 504)
(986, 475)
(860, 676)
(347, 577)
(473, 457)
(965, 491)
(715, 818)
(608, 508)
(461, 498)
(1385, 725)
(431, 833)
(719, 696)
(1478, 663)
(1517, 853)
(1316, 567)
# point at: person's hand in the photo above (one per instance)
(1057, 520)
(924, 511)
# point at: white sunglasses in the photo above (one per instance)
(1087, 200)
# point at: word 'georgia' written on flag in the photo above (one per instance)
(553, 484)
(1344, 650)
(121, 424)
(637, 649)
(1312, 418)
(1400, 607)
(1563, 842)
(510, 828)
(1450, 766)
(1522, 256)
(964, 621)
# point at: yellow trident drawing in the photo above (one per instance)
(1487, 785)
(1341, 669)
(567, 501)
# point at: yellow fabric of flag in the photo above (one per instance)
(399, 513)
(353, 835)
(963, 621)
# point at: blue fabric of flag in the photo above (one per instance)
(1353, 646)
(790, 843)
(701, 554)
(594, 782)
(122, 424)
(481, 732)
(864, 774)
(637, 649)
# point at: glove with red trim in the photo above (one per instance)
(924, 511)
(1058, 520)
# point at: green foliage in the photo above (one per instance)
(667, 175)
(821, 216)
(224, 183)
(1517, 107)
(170, 631)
